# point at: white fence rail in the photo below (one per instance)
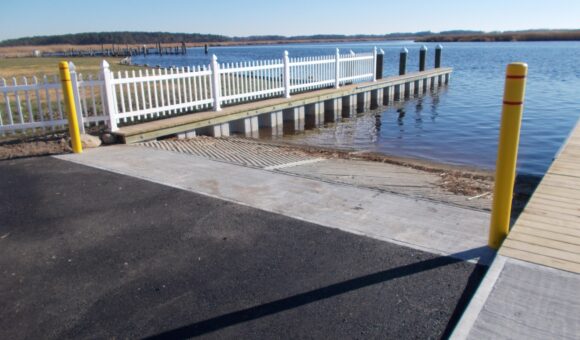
(129, 97)
(37, 105)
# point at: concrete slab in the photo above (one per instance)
(420, 224)
(388, 177)
(523, 301)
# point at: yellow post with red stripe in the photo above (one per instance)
(507, 153)
(73, 124)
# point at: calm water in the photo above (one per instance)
(459, 123)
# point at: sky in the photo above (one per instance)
(290, 17)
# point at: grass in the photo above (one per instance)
(30, 66)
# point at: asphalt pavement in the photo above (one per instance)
(86, 253)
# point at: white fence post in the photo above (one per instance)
(74, 79)
(375, 64)
(109, 98)
(215, 83)
(286, 75)
(337, 69)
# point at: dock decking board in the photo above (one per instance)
(548, 230)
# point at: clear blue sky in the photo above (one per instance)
(20, 18)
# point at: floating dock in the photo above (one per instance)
(301, 111)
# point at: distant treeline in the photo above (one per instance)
(167, 38)
(529, 35)
(133, 38)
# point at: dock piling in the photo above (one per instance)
(403, 61)
(422, 57)
(380, 62)
(438, 51)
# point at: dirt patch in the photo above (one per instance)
(34, 146)
(465, 183)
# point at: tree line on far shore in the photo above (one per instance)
(133, 38)
(529, 35)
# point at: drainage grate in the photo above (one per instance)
(237, 151)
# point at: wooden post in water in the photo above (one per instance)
(422, 57)
(380, 62)
(206, 49)
(403, 61)
(438, 50)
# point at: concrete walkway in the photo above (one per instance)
(420, 224)
(86, 253)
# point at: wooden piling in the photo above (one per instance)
(380, 61)
(438, 50)
(422, 57)
(403, 61)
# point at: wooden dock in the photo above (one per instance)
(548, 230)
(390, 88)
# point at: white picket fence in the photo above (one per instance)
(31, 104)
(130, 97)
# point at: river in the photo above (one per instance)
(457, 124)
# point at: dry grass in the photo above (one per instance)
(27, 51)
(28, 67)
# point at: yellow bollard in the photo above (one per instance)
(73, 125)
(507, 152)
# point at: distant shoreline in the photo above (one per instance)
(28, 50)
(505, 37)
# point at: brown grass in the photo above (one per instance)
(28, 67)
(27, 51)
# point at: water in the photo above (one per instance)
(457, 124)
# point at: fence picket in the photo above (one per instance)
(178, 92)
(137, 95)
(48, 101)
(38, 101)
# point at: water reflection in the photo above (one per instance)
(381, 130)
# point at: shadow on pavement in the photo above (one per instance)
(256, 312)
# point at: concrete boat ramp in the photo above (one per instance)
(425, 224)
